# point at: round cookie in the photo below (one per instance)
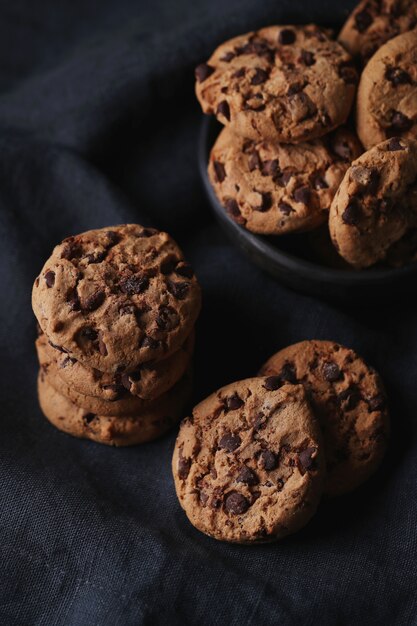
(113, 431)
(373, 22)
(148, 382)
(117, 297)
(282, 83)
(273, 188)
(387, 94)
(248, 465)
(376, 203)
(349, 400)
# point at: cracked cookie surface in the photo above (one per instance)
(283, 83)
(248, 464)
(376, 203)
(387, 94)
(273, 188)
(148, 382)
(127, 430)
(349, 400)
(373, 22)
(117, 297)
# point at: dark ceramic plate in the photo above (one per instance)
(291, 260)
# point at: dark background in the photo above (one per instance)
(98, 126)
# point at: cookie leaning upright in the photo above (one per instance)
(373, 22)
(248, 465)
(281, 83)
(349, 400)
(387, 93)
(376, 203)
(117, 297)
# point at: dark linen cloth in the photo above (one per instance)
(99, 126)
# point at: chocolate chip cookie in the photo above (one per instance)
(349, 400)
(117, 297)
(387, 94)
(376, 203)
(373, 22)
(128, 430)
(273, 188)
(281, 83)
(148, 382)
(248, 465)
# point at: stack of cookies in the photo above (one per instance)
(255, 458)
(116, 310)
(283, 162)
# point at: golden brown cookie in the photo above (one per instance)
(273, 188)
(113, 431)
(117, 297)
(248, 465)
(148, 382)
(373, 22)
(376, 203)
(281, 83)
(349, 400)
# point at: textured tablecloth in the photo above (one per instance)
(98, 126)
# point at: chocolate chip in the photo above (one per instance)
(350, 396)
(219, 170)
(363, 20)
(307, 57)
(88, 418)
(147, 232)
(303, 195)
(295, 88)
(178, 290)
(185, 270)
(367, 177)
(235, 503)
(267, 460)
(50, 278)
(184, 466)
(135, 284)
(229, 442)
(353, 213)
(331, 371)
(232, 209)
(306, 460)
(272, 383)
(239, 73)
(223, 109)
(167, 318)
(72, 250)
(228, 57)
(269, 168)
(89, 333)
(167, 266)
(319, 182)
(247, 476)
(203, 71)
(376, 403)
(288, 373)
(348, 74)
(96, 257)
(400, 122)
(395, 144)
(255, 103)
(259, 421)
(286, 37)
(233, 402)
(397, 76)
(254, 161)
(149, 342)
(56, 347)
(266, 202)
(92, 302)
(259, 77)
(285, 208)
(301, 107)
(285, 177)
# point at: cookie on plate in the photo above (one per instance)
(273, 188)
(387, 94)
(282, 83)
(128, 430)
(376, 203)
(248, 465)
(373, 22)
(148, 382)
(349, 400)
(117, 297)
